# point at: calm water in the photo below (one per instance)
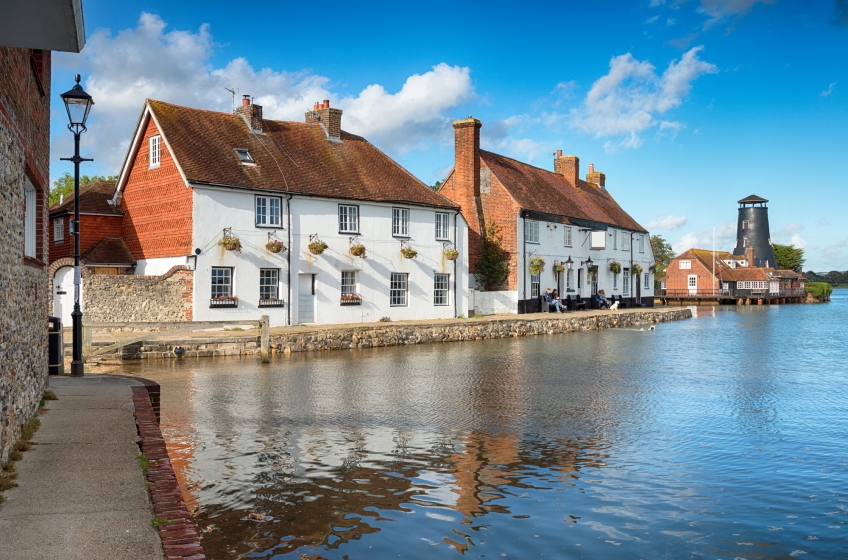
(722, 436)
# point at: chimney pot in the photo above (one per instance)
(245, 100)
(591, 168)
(559, 153)
(326, 104)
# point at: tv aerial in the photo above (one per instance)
(233, 92)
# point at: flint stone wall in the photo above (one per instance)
(124, 298)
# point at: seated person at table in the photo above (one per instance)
(602, 300)
(549, 300)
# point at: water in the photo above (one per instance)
(717, 437)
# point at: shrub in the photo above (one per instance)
(819, 290)
(50, 396)
(385, 319)
(493, 265)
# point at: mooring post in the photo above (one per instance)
(86, 337)
(265, 339)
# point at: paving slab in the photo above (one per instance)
(81, 493)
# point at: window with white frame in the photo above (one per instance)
(348, 282)
(745, 242)
(685, 265)
(534, 285)
(569, 279)
(222, 282)
(59, 230)
(348, 218)
(614, 281)
(400, 223)
(615, 239)
(744, 224)
(693, 281)
(625, 281)
(269, 283)
(647, 281)
(154, 153)
(398, 289)
(625, 241)
(441, 291)
(29, 219)
(751, 285)
(442, 226)
(531, 231)
(642, 243)
(567, 233)
(269, 211)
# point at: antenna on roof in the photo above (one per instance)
(233, 91)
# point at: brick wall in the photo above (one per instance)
(677, 279)
(157, 206)
(93, 229)
(24, 153)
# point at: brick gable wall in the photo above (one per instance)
(93, 229)
(157, 205)
(677, 279)
(500, 208)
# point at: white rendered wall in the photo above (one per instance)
(494, 303)
(216, 209)
(552, 248)
(157, 267)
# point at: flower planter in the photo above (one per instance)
(637, 269)
(558, 269)
(537, 266)
(271, 302)
(451, 254)
(317, 247)
(351, 299)
(223, 302)
(615, 267)
(275, 246)
(358, 251)
(408, 253)
(230, 243)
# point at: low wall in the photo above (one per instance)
(299, 339)
(114, 299)
(495, 303)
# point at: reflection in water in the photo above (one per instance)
(718, 436)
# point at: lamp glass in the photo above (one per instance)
(77, 110)
(569, 263)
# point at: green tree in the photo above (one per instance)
(663, 255)
(64, 185)
(789, 257)
(436, 186)
(493, 266)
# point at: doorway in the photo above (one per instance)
(693, 284)
(63, 294)
(306, 298)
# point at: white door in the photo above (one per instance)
(63, 294)
(693, 284)
(306, 298)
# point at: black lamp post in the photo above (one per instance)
(78, 103)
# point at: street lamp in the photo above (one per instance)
(588, 262)
(569, 263)
(78, 103)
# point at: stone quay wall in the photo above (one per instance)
(285, 340)
(125, 298)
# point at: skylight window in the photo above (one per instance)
(244, 157)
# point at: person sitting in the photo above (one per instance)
(550, 301)
(556, 297)
(601, 299)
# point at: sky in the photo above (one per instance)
(686, 105)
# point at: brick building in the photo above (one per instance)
(551, 215)
(28, 33)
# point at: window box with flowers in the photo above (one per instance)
(351, 299)
(271, 302)
(223, 302)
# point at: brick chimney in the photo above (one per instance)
(330, 119)
(750, 256)
(252, 114)
(596, 177)
(465, 190)
(568, 167)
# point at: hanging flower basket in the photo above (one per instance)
(637, 269)
(275, 246)
(615, 267)
(593, 269)
(559, 268)
(358, 250)
(654, 268)
(537, 266)
(230, 243)
(451, 254)
(409, 253)
(317, 247)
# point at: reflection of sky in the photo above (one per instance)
(691, 439)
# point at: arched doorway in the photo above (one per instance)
(63, 294)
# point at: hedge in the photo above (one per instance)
(818, 289)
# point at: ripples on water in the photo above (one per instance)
(718, 437)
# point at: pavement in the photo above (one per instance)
(81, 493)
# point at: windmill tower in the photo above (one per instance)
(752, 231)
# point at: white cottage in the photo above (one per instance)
(303, 222)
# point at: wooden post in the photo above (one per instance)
(86, 337)
(265, 339)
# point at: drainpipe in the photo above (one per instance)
(524, 256)
(288, 257)
(455, 240)
(633, 287)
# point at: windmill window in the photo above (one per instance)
(745, 224)
(244, 157)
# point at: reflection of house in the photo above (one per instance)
(193, 178)
(29, 31)
(549, 214)
(714, 277)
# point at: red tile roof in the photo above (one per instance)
(295, 157)
(544, 191)
(110, 250)
(722, 270)
(94, 199)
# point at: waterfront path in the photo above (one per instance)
(81, 493)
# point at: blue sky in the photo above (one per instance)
(687, 106)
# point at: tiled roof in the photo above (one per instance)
(722, 270)
(110, 250)
(540, 190)
(94, 199)
(290, 156)
(752, 198)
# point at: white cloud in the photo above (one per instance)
(628, 99)
(651, 20)
(174, 65)
(789, 229)
(798, 241)
(725, 239)
(670, 223)
(829, 91)
(670, 21)
(721, 9)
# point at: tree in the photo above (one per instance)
(663, 255)
(493, 265)
(789, 257)
(64, 185)
(436, 186)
